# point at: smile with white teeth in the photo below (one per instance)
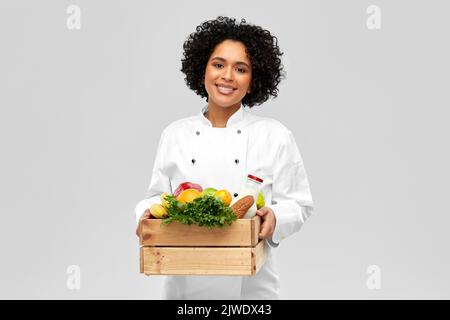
(224, 90)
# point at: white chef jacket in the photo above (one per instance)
(191, 149)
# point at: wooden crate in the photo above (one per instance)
(178, 249)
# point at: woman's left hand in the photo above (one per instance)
(268, 223)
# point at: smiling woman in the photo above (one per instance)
(233, 64)
(228, 76)
(254, 50)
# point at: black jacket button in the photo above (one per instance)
(197, 133)
(193, 161)
(235, 195)
(237, 161)
(239, 131)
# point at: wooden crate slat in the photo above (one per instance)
(259, 255)
(197, 260)
(242, 232)
(255, 227)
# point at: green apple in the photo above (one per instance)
(260, 201)
(209, 191)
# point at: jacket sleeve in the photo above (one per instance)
(291, 196)
(159, 181)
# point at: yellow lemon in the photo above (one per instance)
(164, 202)
(223, 195)
(158, 211)
(188, 195)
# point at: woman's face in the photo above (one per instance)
(228, 74)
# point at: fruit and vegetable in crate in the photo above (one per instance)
(188, 195)
(241, 207)
(209, 207)
(224, 196)
(187, 185)
(164, 201)
(158, 211)
(260, 202)
(210, 191)
(205, 210)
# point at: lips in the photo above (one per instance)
(225, 89)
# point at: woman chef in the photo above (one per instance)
(233, 65)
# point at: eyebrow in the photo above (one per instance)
(238, 62)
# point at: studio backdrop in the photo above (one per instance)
(86, 88)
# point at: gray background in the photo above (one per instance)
(82, 111)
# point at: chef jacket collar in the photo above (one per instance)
(234, 119)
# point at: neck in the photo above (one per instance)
(218, 116)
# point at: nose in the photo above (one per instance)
(227, 74)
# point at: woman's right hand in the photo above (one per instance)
(145, 215)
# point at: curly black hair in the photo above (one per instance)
(262, 50)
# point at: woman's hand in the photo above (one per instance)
(145, 215)
(268, 224)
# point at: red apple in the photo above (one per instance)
(187, 185)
